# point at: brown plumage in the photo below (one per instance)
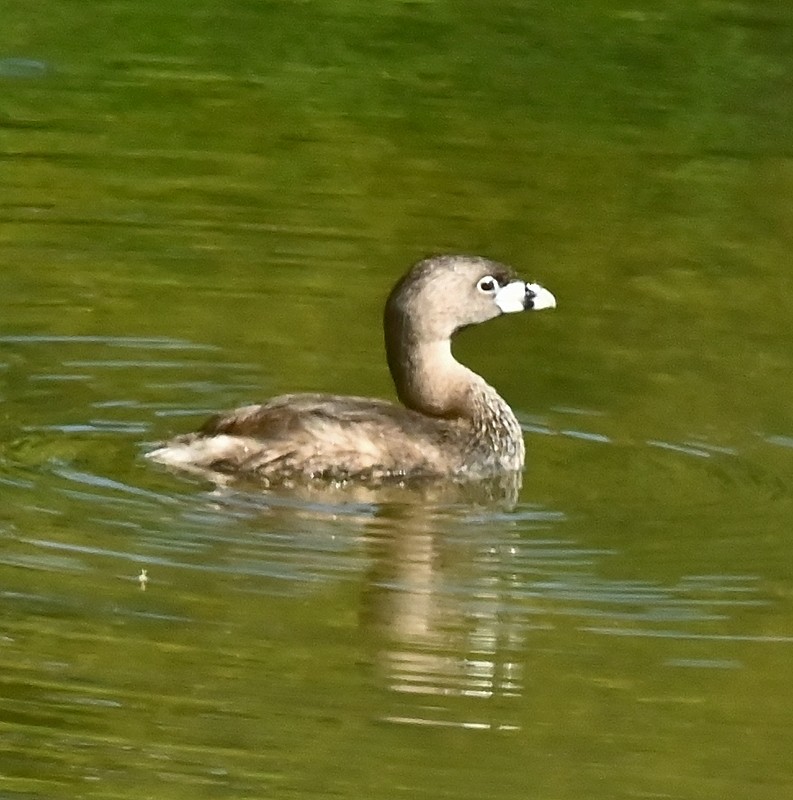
(453, 423)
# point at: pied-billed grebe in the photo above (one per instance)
(454, 423)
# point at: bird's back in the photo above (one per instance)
(308, 436)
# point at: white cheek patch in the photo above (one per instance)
(512, 297)
(542, 297)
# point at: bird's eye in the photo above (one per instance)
(488, 284)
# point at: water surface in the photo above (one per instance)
(205, 204)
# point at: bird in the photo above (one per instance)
(451, 423)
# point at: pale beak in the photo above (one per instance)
(520, 296)
(538, 297)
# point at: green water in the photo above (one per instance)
(204, 204)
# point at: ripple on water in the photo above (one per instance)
(455, 600)
(24, 68)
